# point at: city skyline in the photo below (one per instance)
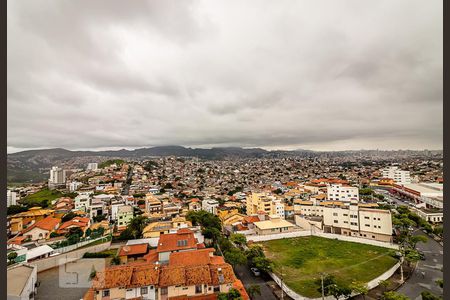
(202, 74)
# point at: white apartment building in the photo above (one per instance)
(399, 176)
(11, 198)
(114, 210)
(83, 201)
(355, 221)
(92, 167)
(210, 205)
(279, 208)
(57, 177)
(344, 193)
(74, 185)
(22, 282)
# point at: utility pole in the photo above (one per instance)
(323, 292)
(282, 292)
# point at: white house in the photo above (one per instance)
(210, 205)
(21, 282)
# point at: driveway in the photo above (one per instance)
(246, 276)
(432, 266)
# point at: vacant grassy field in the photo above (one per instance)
(39, 197)
(304, 258)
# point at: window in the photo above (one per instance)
(345, 215)
(335, 214)
(144, 290)
(198, 289)
(129, 290)
(105, 293)
(367, 225)
(345, 222)
(216, 288)
(366, 218)
(182, 243)
(373, 236)
(335, 221)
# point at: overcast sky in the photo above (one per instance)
(321, 75)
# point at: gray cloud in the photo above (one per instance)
(288, 74)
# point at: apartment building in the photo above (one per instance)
(210, 205)
(356, 221)
(124, 215)
(92, 167)
(83, 201)
(399, 176)
(57, 178)
(342, 192)
(152, 204)
(257, 203)
(11, 198)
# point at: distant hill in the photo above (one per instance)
(33, 165)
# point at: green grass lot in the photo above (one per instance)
(39, 197)
(304, 258)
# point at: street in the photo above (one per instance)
(244, 274)
(432, 266)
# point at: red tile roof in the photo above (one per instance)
(169, 241)
(133, 249)
(49, 223)
(191, 258)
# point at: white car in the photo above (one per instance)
(255, 271)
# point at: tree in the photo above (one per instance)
(12, 256)
(115, 260)
(15, 209)
(262, 263)
(360, 288)
(88, 232)
(239, 239)
(440, 283)
(99, 218)
(137, 225)
(253, 290)
(69, 216)
(384, 284)
(338, 291)
(328, 281)
(426, 295)
(394, 296)
(232, 294)
(235, 257)
(413, 240)
(412, 256)
(211, 233)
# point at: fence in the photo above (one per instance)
(80, 244)
(287, 235)
(370, 285)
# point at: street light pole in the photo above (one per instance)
(323, 292)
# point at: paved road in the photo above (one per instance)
(432, 266)
(247, 278)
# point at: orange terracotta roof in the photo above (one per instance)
(169, 241)
(190, 258)
(240, 287)
(199, 297)
(48, 223)
(133, 249)
(251, 219)
(217, 260)
(151, 256)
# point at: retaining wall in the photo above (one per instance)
(57, 260)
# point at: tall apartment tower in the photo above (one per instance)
(92, 166)
(57, 178)
(11, 198)
(392, 172)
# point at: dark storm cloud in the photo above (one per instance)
(288, 74)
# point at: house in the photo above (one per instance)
(152, 204)
(195, 204)
(39, 252)
(129, 253)
(15, 226)
(34, 215)
(83, 201)
(41, 229)
(199, 276)
(182, 240)
(77, 222)
(272, 226)
(21, 282)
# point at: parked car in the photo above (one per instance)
(255, 271)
